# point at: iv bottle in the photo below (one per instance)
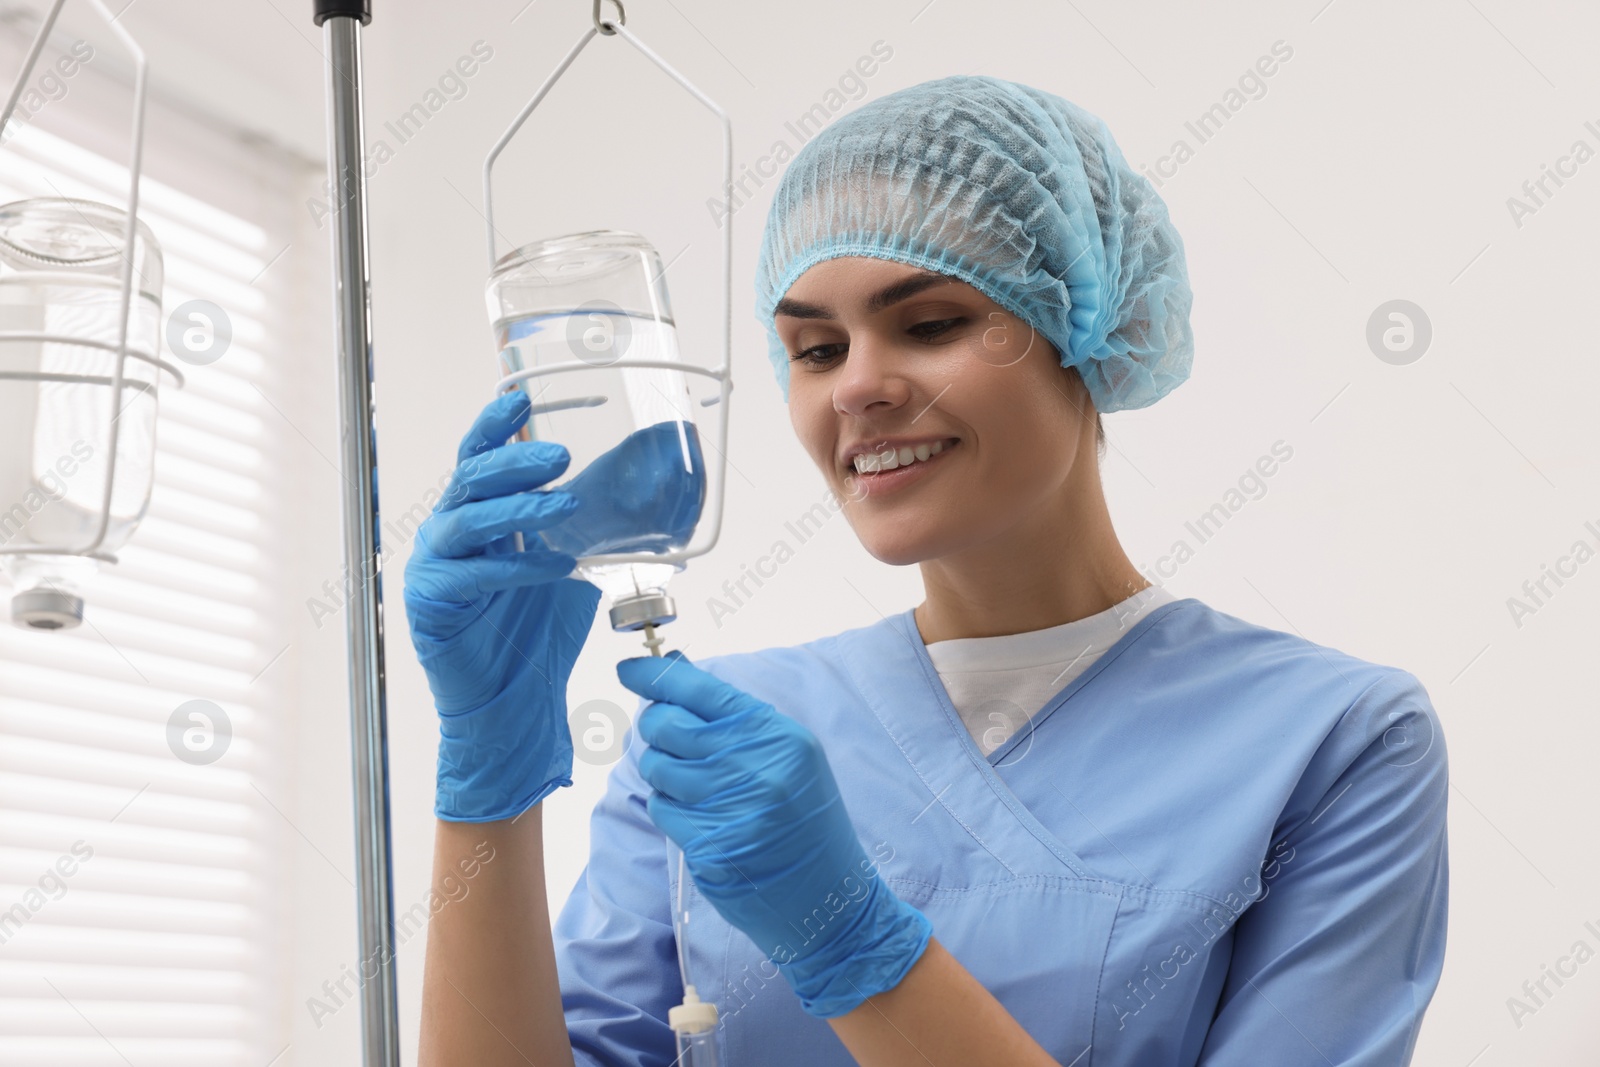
(61, 264)
(594, 302)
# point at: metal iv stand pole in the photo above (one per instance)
(341, 22)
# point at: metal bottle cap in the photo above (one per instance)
(46, 609)
(634, 612)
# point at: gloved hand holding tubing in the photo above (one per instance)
(746, 792)
(498, 630)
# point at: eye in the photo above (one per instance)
(934, 327)
(819, 354)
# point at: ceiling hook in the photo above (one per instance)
(604, 26)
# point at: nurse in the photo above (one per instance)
(1050, 815)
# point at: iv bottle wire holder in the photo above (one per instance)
(694, 1020)
(722, 372)
(117, 380)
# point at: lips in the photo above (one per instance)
(876, 483)
(889, 453)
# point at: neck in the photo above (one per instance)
(1060, 564)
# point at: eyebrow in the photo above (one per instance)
(893, 294)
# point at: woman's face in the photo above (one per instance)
(887, 359)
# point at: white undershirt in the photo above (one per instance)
(998, 683)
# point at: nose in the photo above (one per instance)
(872, 380)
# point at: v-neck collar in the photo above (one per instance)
(1024, 735)
(956, 772)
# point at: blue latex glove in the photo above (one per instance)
(746, 792)
(643, 495)
(498, 630)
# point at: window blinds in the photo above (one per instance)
(138, 891)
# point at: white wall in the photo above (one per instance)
(1376, 166)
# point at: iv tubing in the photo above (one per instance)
(653, 642)
(679, 918)
(697, 1042)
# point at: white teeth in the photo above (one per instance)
(890, 459)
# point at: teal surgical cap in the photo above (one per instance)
(1020, 194)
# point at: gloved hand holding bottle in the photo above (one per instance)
(498, 630)
(746, 792)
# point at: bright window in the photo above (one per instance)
(160, 945)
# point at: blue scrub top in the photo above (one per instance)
(1221, 845)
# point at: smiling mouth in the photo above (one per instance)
(871, 483)
(889, 459)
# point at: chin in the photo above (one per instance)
(896, 549)
(897, 559)
(909, 531)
